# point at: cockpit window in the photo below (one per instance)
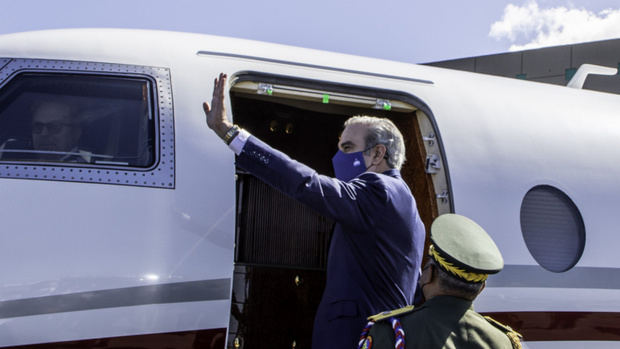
(77, 118)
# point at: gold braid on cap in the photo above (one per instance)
(456, 271)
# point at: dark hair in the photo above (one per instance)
(454, 285)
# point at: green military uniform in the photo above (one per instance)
(464, 250)
(443, 322)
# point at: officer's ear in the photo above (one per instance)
(432, 273)
(429, 274)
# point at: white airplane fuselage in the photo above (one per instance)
(119, 253)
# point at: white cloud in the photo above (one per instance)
(529, 26)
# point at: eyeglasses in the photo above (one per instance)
(52, 127)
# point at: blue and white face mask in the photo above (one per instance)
(348, 165)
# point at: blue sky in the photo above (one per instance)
(404, 30)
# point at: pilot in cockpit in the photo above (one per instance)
(56, 131)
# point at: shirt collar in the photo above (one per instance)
(392, 173)
(446, 301)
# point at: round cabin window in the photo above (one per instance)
(552, 228)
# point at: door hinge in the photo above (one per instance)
(430, 139)
(443, 197)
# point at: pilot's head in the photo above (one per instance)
(55, 128)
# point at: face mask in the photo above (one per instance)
(348, 165)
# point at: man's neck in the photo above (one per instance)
(441, 293)
(380, 168)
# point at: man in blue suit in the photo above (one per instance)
(376, 247)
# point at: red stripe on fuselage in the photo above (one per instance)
(562, 326)
(207, 339)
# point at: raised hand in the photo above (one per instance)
(216, 111)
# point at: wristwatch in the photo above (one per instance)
(231, 134)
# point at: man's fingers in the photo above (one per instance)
(216, 104)
(221, 82)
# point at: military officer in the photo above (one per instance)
(461, 256)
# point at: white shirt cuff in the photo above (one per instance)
(238, 142)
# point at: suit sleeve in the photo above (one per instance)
(350, 203)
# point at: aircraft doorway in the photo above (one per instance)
(281, 245)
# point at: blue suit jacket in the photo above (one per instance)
(376, 247)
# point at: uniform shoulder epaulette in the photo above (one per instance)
(514, 336)
(388, 314)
